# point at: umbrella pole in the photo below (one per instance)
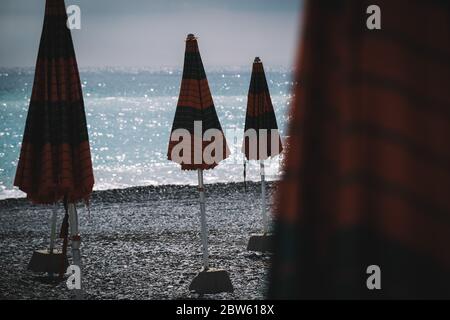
(76, 241)
(245, 175)
(263, 196)
(53, 229)
(208, 280)
(52, 233)
(203, 220)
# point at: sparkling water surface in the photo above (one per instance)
(129, 115)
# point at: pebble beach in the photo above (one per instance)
(140, 243)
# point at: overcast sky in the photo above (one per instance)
(151, 33)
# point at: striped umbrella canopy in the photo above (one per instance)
(367, 178)
(195, 106)
(261, 118)
(261, 136)
(55, 159)
(196, 115)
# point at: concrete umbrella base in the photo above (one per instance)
(261, 242)
(44, 261)
(211, 281)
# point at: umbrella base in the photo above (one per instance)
(211, 281)
(44, 261)
(261, 242)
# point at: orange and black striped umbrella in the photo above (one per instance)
(367, 178)
(55, 160)
(260, 116)
(195, 104)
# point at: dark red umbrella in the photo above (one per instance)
(195, 104)
(195, 119)
(261, 136)
(55, 159)
(368, 171)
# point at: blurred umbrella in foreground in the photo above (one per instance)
(55, 160)
(197, 143)
(368, 171)
(261, 141)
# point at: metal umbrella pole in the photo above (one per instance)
(245, 175)
(208, 280)
(204, 229)
(53, 228)
(76, 242)
(52, 232)
(263, 197)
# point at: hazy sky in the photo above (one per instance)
(152, 32)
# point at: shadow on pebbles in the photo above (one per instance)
(140, 243)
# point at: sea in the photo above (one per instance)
(129, 114)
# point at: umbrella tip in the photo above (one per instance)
(190, 36)
(257, 59)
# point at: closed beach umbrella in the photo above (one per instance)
(261, 136)
(55, 160)
(197, 143)
(364, 209)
